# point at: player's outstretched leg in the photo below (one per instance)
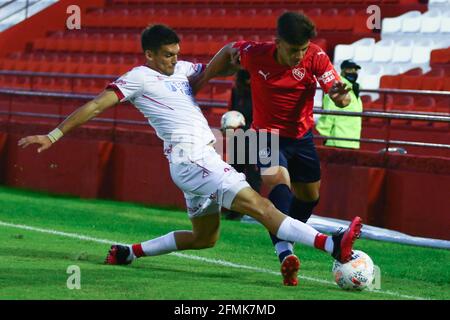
(204, 234)
(339, 246)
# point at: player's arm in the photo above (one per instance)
(330, 81)
(224, 63)
(93, 108)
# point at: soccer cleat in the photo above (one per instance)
(118, 255)
(289, 270)
(343, 241)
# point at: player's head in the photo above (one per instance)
(294, 31)
(161, 46)
(349, 70)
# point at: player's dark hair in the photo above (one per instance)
(155, 36)
(295, 28)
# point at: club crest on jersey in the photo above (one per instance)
(298, 73)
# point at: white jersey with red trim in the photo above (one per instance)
(168, 104)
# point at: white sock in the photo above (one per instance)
(329, 245)
(131, 256)
(161, 245)
(283, 246)
(297, 231)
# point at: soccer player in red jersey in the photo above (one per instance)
(283, 77)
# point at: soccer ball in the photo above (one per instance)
(357, 274)
(232, 120)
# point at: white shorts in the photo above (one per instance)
(208, 182)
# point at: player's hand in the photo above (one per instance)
(339, 94)
(41, 140)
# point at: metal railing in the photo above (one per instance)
(416, 116)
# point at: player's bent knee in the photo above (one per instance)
(205, 243)
(263, 208)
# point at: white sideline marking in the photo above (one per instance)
(192, 257)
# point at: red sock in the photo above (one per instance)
(137, 250)
(319, 241)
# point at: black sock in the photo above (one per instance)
(281, 196)
(302, 210)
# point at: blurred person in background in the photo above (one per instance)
(342, 126)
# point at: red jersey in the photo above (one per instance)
(283, 96)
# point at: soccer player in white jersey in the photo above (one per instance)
(160, 89)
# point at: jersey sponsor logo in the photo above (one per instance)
(298, 73)
(327, 77)
(179, 86)
(264, 75)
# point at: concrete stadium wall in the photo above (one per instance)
(400, 192)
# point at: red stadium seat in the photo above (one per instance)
(424, 104)
(346, 20)
(221, 93)
(440, 56)
(314, 15)
(327, 21)
(95, 18)
(392, 81)
(446, 86)
(360, 22)
(411, 79)
(433, 80)
(201, 47)
(442, 106)
(238, 19)
(187, 44)
(401, 103)
(264, 19)
(380, 104)
(201, 15)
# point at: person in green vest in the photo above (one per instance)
(342, 126)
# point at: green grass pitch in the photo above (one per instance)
(34, 261)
